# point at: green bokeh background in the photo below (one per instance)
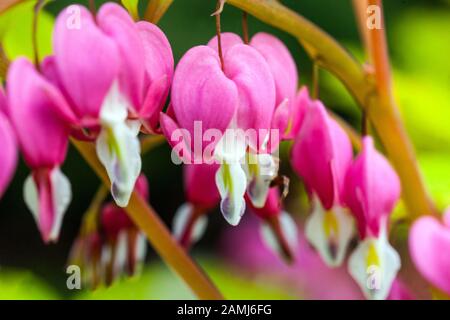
(418, 34)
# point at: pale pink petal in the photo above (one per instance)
(118, 25)
(228, 40)
(87, 61)
(202, 92)
(178, 138)
(159, 68)
(253, 79)
(281, 64)
(429, 244)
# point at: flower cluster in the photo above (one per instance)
(108, 80)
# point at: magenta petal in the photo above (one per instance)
(429, 243)
(202, 92)
(8, 151)
(46, 206)
(228, 40)
(114, 219)
(281, 64)
(321, 155)
(142, 186)
(87, 61)
(42, 135)
(399, 291)
(177, 138)
(252, 76)
(446, 217)
(159, 67)
(200, 185)
(117, 23)
(3, 107)
(298, 111)
(271, 208)
(48, 69)
(372, 188)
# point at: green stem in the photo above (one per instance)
(156, 9)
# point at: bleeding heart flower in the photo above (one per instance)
(429, 244)
(190, 220)
(116, 76)
(43, 138)
(372, 189)
(290, 108)
(321, 155)
(8, 151)
(115, 246)
(278, 230)
(227, 104)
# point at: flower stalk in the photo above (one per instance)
(156, 10)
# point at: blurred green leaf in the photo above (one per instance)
(132, 7)
(23, 285)
(16, 27)
(158, 282)
(436, 169)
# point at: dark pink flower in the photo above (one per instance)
(8, 151)
(321, 156)
(43, 139)
(429, 244)
(371, 191)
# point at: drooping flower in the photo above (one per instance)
(321, 155)
(116, 75)
(190, 220)
(109, 243)
(124, 245)
(290, 108)
(234, 106)
(43, 139)
(8, 150)
(278, 229)
(429, 244)
(372, 189)
(308, 277)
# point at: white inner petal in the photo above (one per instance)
(289, 231)
(30, 194)
(118, 146)
(260, 170)
(329, 232)
(62, 196)
(231, 182)
(181, 220)
(374, 265)
(231, 179)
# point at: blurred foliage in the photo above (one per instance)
(156, 282)
(16, 27)
(20, 284)
(418, 39)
